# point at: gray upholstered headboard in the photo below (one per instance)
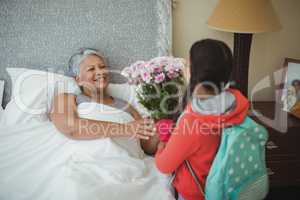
(43, 34)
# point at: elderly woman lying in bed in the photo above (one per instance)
(92, 75)
(102, 157)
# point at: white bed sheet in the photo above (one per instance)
(1, 113)
(1, 92)
(1, 97)
(37, 162)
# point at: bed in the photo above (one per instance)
(37, 162)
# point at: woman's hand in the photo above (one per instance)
(143, 128)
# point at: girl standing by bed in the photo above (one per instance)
(209, 108)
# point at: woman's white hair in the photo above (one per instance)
(78, 57)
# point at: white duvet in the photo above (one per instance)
(37, 162)
(1, 113)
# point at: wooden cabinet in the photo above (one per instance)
(282, 148)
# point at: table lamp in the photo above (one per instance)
(243, 18)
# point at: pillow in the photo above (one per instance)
(127, 93)
(1, 114)
(1, 97)
(33, 92)
(1, 92)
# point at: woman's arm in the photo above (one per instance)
(149, 146)
(65, 118)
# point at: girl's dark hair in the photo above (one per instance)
(211, 62)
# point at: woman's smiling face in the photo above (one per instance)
(93, 74)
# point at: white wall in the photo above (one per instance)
(268, 49)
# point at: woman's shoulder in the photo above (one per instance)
(65, 96)
(81, 98)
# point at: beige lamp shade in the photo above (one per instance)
(244, 16)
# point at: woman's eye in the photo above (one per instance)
(91, 69)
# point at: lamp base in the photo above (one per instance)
(241, 54)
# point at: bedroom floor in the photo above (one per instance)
(289, 193)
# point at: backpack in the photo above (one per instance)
(238, 171)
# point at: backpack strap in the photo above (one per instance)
(196, 179)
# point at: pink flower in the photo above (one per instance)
(146, 76)
(152, 67)
(175, 64)
(158, 69)
(172, 74)
(178, 64)
(126, 72)
(159, 78)
(155, 70)
(136, 69)
(141, 66)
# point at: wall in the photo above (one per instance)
(44, 34)
(268, 49)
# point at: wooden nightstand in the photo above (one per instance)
(282, 149)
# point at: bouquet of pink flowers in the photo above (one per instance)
(160, 85)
